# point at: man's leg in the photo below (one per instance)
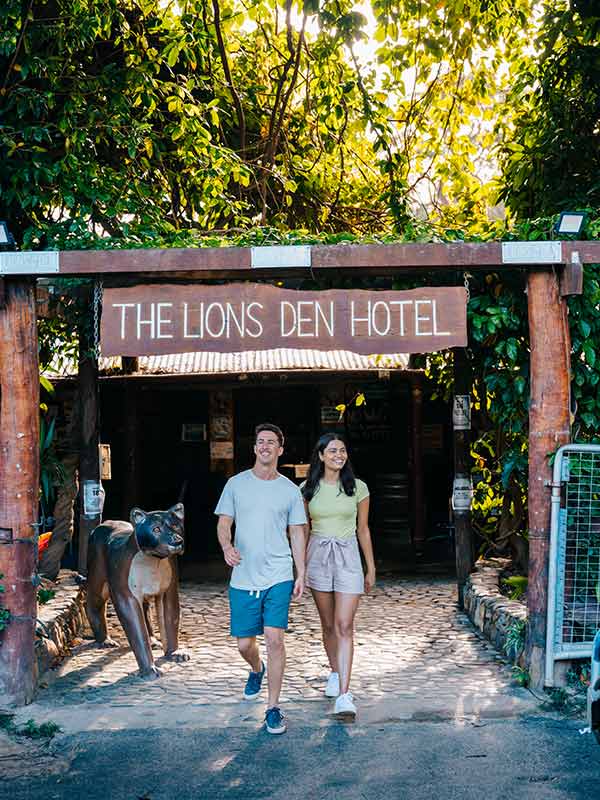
(275, 663)
(275, 617)
(248, 648)
(246, 625)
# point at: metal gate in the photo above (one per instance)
(574, 562)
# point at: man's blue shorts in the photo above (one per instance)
(252, 610)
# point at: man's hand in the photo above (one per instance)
(298, 588)
(232, 555)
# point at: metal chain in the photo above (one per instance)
(97, 307)
(466, 284)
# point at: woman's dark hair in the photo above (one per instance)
(316, 469)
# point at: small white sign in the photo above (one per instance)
(462, 493)
(93, 499)
(283, 256)
(461, 412)
(29, 263)
(531, 252)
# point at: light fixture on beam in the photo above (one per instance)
(570, 223)
(7, 241)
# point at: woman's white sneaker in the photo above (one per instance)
(344, 707)
(333, 685)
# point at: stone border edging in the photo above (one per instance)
(61, 621)
(489, 610)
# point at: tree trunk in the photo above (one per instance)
(548, 429)
(64, 514)
(19, 487)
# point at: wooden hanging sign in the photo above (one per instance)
(236, 317)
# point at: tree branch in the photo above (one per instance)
(228, 77)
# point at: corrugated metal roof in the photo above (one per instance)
(208, 363)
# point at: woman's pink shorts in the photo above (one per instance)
(334, 565)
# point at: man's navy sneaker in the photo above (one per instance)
(254, 683)
(274, 721)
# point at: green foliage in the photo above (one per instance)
(45, 595)
(550, 153)
(584, 325)
(558, 698)
(136, 118)
(515, 638)
(579, 675)
(4, 612)
(517, 586)
(29, 729)
(45, 730)
(521, 676)
(52, 473)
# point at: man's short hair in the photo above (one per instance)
(268, 426)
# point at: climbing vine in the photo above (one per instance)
(4, 612)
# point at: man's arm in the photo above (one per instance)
(231, 554)
(298, 543)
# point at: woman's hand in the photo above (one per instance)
(369, 580)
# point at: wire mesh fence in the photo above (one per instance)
(578, 603)
(574, 563)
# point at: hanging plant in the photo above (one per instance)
(4, 612)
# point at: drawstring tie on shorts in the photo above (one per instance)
(332, 547)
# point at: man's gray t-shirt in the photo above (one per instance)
(262, 511)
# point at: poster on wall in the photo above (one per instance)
(221, 428)
(221, 451)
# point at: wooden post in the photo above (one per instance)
(19, 487)
(418, 495)
(89, 460)
(548, 429)
(131, 496)
(462, 468)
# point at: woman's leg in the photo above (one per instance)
(326, 607)
(345, 611)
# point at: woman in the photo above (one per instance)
(337, 506)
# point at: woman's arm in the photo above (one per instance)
(366, 545)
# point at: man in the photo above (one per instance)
(263, 504)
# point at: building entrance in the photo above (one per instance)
(171, 456)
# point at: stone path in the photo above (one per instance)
(415, 655)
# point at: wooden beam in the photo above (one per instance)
(19, 488)
(236, 262)
(548, 429)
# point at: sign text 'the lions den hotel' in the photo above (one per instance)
(165, 319)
